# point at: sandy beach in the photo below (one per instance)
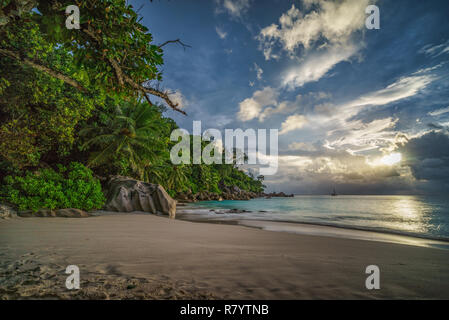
(142, 256)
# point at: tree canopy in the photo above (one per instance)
(112, 50)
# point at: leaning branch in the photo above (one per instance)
(38, 66)
(163, 95)
(148, 99)
(122, 78)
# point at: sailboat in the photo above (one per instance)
(334, 193)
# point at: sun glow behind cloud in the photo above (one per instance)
(391, 159)
(386, 160)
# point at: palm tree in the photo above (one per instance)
(128, 134)
(154, 174)
(176, 177)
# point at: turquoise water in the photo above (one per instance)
(421, 216)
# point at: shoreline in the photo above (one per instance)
(315, 229)
(143, 256)
(422, 239)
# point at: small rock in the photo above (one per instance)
(7, 212)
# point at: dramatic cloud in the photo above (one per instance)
(251, 108)
(428, 156)
(302, 103)
(333, 21)
(424, 168)
(318, 170)
(315, 66)
(359, 136)
(326, 34)
(293, 122)
(281, 108)
(356, 135)
(403, 88)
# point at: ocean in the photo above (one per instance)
(416, 216)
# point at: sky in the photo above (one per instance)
(363, 110)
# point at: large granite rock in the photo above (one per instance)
(127, 194)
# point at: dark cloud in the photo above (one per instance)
(428, 156)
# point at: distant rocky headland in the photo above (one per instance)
(227, 193)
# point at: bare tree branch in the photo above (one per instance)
(163, 95)
(38, 66)
(178, 41)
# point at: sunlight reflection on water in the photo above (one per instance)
(424, 216)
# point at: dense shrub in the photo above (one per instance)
(72, 187)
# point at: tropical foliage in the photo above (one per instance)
(128, 139)
(72, 187)
(74, 103)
